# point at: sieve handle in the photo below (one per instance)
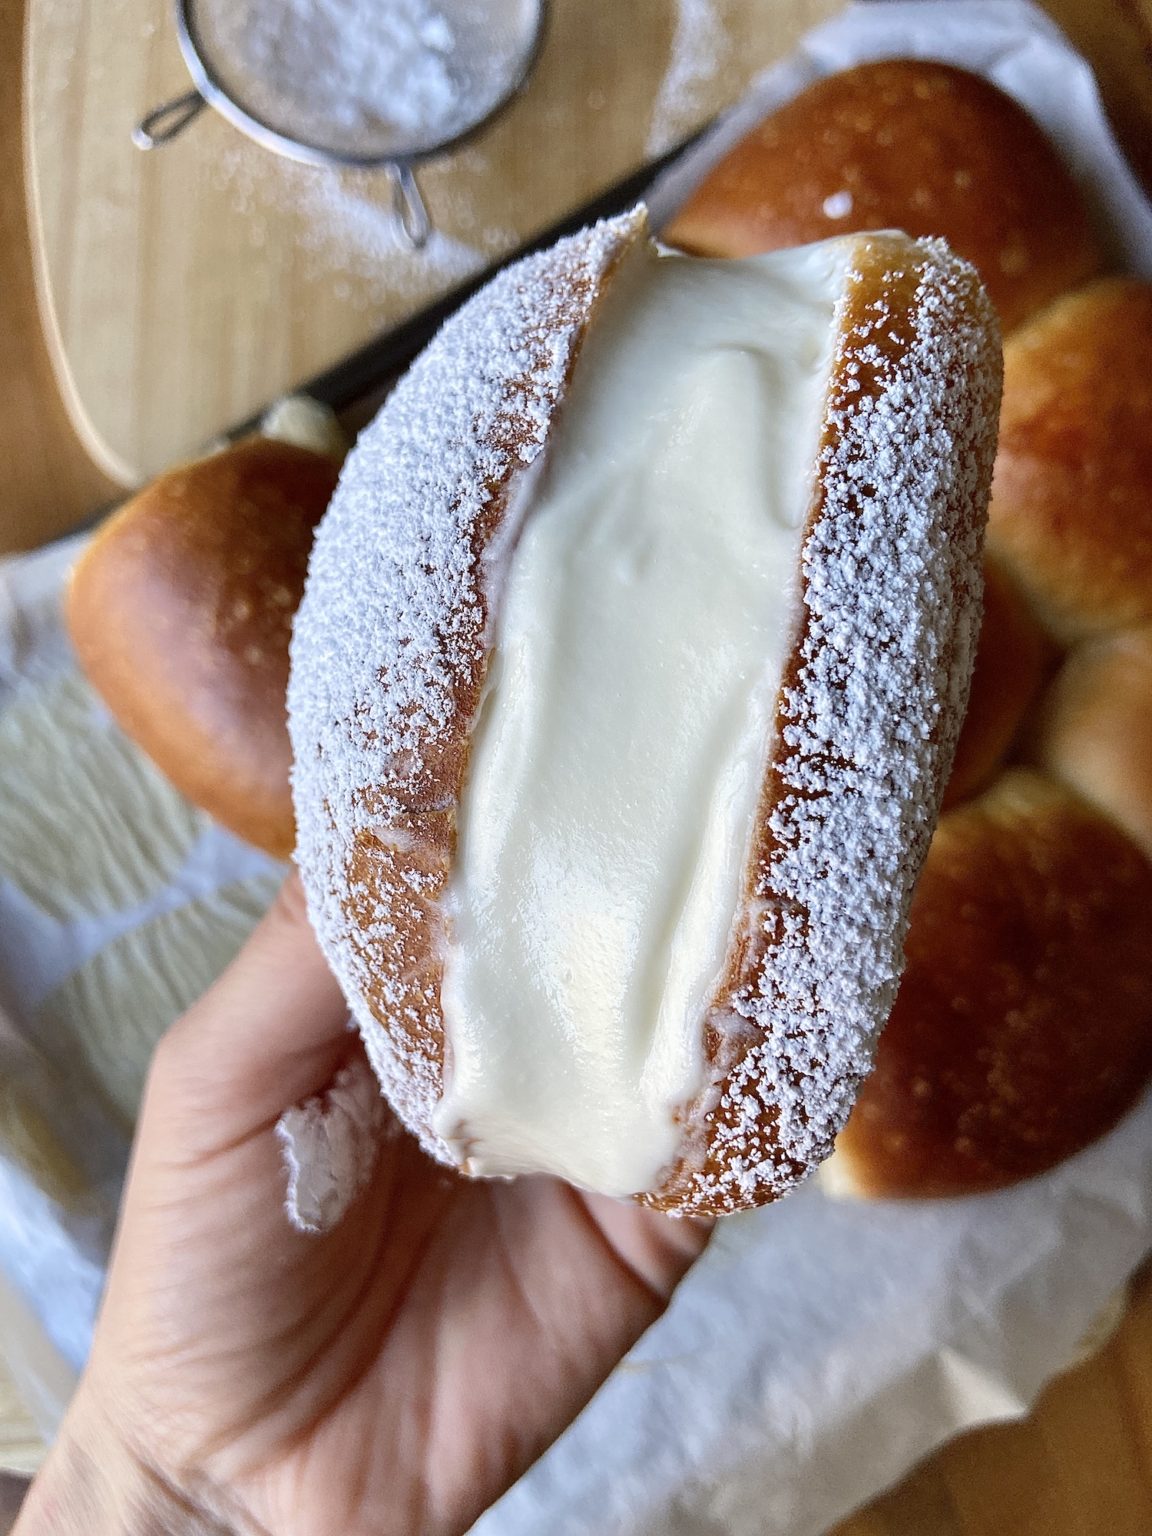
(409, 206)
(168, 120)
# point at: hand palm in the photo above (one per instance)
(395, 1374)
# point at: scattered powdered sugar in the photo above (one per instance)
(391, 633)
(330, 1144)
(341, 226)
(339, 217)
(390, 649)
(838, 205)
(871, 715)
(698, 45)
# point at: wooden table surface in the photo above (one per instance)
(1081, 1465)
(184, 290)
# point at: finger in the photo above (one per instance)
(658, 1249)
(271, 1032)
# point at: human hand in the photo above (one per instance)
(394, 1374)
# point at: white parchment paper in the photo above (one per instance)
(118, 904)
(819, 1348)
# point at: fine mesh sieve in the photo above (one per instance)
(364, 83)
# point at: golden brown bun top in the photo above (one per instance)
(1013, 659)
(903, 144)
(181, 609)
(1094, 733)
(1071, 510)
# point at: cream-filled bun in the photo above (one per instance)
(631, 661)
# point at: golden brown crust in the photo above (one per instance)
(1071, 512)
(1023, 1027)
(1094, 732)
(904, 144)
(180, 610)
(1013, 658)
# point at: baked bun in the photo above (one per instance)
(1023, 1027)
(180, 610)
(470, 623)
(1095, 731)
(1071, 513)
(904, 144)
(1013, 658)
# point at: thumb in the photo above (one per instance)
(272, 1031)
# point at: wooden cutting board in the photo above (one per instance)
(183, 289)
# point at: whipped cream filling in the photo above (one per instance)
(640, 626)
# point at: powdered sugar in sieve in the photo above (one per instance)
(353, 82)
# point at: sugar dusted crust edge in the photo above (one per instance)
(868, 716)
(390, 652)
(389, 649)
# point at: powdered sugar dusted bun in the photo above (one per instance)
(423, 605)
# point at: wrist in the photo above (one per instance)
(92, 1484)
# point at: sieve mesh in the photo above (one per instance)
(361, 81)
